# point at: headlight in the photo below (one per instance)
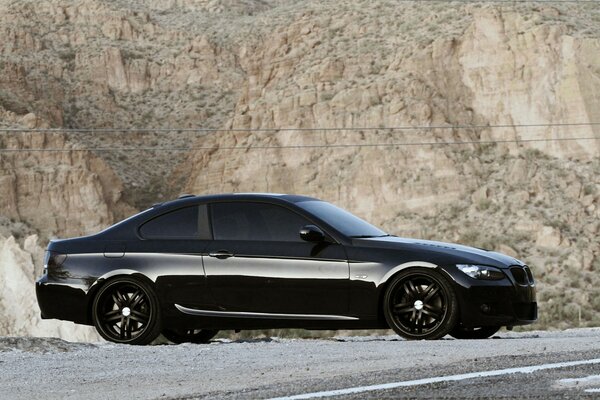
(481, 272)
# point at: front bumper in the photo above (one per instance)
(504, 302)
(65, 301)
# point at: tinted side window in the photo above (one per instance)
(184, 223)
(256, 221)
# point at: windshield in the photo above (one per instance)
(340, 219)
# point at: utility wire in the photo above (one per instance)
(497, 1)
(300, 146)
(349, 129)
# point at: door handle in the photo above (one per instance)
(220, 254)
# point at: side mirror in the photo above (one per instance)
(312, 233)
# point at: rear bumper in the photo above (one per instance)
(494, 303)
(65, 301)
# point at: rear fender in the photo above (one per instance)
(119, 272)
(98, 283)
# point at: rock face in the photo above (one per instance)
(102, 65)
(65, 192)
(503, 67)
(487, 75)
(520, 76)
(18, 306)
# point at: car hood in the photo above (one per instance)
(433, 251)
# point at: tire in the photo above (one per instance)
(190, 335)
(126, 310)
(420, 304)
(460, 332)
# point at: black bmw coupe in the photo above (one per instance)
(190, 267)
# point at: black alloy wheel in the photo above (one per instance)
(420, 304)
(484, 332)
(189, 335)
(126, 310)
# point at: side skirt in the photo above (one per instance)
(239, 314)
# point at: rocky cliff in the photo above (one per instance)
(18, 307)
(283, 80)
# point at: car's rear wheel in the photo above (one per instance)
(484, 332)
(126, 310)
(420, 304)
(190, 335)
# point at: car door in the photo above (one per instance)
(171, 253)
(258, 263)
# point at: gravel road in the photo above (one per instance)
(53, 369)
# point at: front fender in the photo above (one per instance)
(402, 267)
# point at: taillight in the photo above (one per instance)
(53, 260)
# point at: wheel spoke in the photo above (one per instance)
(113, 315)
(136, 326)
(429, 325)
(140, 314)
(430, 292)
(137, 298)
(128, 328)
(410, 290)
(122, 327)
(404, 310)
(116, 300)
(435, 309)
(137, 317)
(123, 298)
(433, 312)
(413, 320)
(419, 322)
(413, 289)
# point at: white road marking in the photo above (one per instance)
(448, 378)
(593, 390)
(588, 380)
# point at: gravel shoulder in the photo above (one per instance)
(262, 368)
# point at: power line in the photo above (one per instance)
(300, 146)
(497, 1)
(366, 128)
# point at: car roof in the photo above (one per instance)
(193, 199)
(125, 229)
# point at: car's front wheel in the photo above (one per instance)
(126, 310)
(484, 332)
(189, 335)
(420, 304)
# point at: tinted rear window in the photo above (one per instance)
(184, 223)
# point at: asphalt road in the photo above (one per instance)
(564, 364)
